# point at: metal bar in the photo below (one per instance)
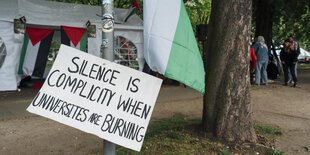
(107, 45)
(107, 51)
(108, 148)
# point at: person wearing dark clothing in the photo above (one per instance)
(288, 57)
(272, 68)
(297, 50)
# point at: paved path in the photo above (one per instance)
(288, 108)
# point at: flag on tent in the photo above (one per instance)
(170, 47)
(36, 46)
(74, 37)
(127, 49)
(133, 10)
(2, 52)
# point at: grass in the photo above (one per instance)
(179, 136)
(303, 66)
(265, 129)
(275, 152)
(170, 136)
(268, 133)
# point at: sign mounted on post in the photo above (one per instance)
(99, 97)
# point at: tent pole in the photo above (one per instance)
(107, 51)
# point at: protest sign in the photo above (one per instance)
(99, 97)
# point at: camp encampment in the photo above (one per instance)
(46, 22)
(303, 56)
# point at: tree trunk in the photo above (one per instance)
(227, 109)
(264, 20)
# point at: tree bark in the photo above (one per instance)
(264, 20)
(227, 109)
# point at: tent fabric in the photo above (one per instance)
(36, 46)
(94, 44)
(41, 12)
(47, 14)
(2, 52)
(137, 39)
(303, 54)
(8, 73)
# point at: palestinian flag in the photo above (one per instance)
(133, 10)
(37, 43)
(74, 37)
(170, 47)
(127, 49)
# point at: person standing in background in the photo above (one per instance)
(255, 41)
(253, 60)
(288, 57)
(297, 50)
(261, 52)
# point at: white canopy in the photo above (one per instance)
(54, 14)
(303, 54)
(41, 12)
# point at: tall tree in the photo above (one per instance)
(227, 108)
(264, 20)
(277, 19)
(292, 18)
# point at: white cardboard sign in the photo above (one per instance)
(99, 97)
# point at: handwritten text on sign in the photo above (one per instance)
(97, 96)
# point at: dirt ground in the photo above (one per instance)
(25, 133)
(288, 108)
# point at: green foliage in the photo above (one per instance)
(267, 135)
(52, 53)
(174, 136)
(199, 11)
(264, 129)
(55, 44)
(224, 152)
(275, 152)
(166, 136)
(178, 136)
(49, 64)
(164, 125)
(291, 18)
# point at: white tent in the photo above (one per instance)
(303, 54)
(52, 15)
